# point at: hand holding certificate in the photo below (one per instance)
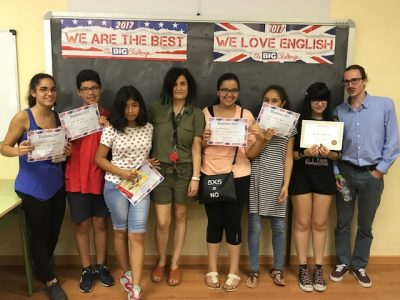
(81, 121)
(283, 121)
(228, 132)
(48, 144)
(327, 133)
(146, 179)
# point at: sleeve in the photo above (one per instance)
(199, 122)
(107, 136)
(296, 132)
(391, 147)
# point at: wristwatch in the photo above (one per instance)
(196, 178)
(301, 153)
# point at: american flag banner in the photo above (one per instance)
(124, 39)
(274, 43)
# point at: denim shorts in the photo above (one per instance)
(123, 214)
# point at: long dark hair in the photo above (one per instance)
(222, 78)
(117, 115)
(170, 80)
(33, 84)
(317, 91)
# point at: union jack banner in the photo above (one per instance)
(124, 39)
(274, 43)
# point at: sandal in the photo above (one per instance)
(277, 277)
(174, 277)
(252, 279)
(212, 280)
(157, 274)
(231, 283)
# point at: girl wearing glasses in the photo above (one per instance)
(222, 215)
(39, 184)
(271, 168)
(312, 188)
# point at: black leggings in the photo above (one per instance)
(44, 219)
(227, 215)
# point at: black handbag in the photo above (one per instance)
(220, 187)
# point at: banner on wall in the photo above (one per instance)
(124, 39)
(274, 43)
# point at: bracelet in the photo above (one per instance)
(301, 153)
(196, 178)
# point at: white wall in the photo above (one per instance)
(230, 9)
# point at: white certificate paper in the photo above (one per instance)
(147, 178)
(48, 144)
(228, 132)
(81, 121)
(327, 133)
(283, 121)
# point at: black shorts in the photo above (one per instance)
(318, 180)
(85, 206)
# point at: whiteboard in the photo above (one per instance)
(9, 96)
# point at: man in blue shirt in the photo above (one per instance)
(370, 147)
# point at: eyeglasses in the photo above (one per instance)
(225, 91)
(85, 89)
(319, 101)
(353, 81)
(45, 90)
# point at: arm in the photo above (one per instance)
(196, 159)
(391, 146)
(287, 173)
(206, 137)
(263, 137)
(103, 163)
(18, 126)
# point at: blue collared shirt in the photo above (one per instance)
(371, 134)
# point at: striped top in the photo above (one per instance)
(266, 179)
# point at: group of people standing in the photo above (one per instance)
(173, 134)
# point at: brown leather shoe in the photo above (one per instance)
(174, 277)
(157, 274)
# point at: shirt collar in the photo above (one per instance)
(364, 104)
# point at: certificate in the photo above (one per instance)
(147, 178)
(228, 132)
(48, 144)
(283, 121)
(81, 121)
(327, 133)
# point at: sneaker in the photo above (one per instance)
(56, 292)
(103, 275)
(135, 293)
(305, 280)
(126, 281)
(319, 283)
(339, 272)
(362, 277)
(86, 282)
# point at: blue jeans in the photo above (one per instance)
(278, 226)
(123, 214)
(369, 191)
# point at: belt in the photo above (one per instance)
(360, 168)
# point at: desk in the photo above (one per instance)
(9, 201)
